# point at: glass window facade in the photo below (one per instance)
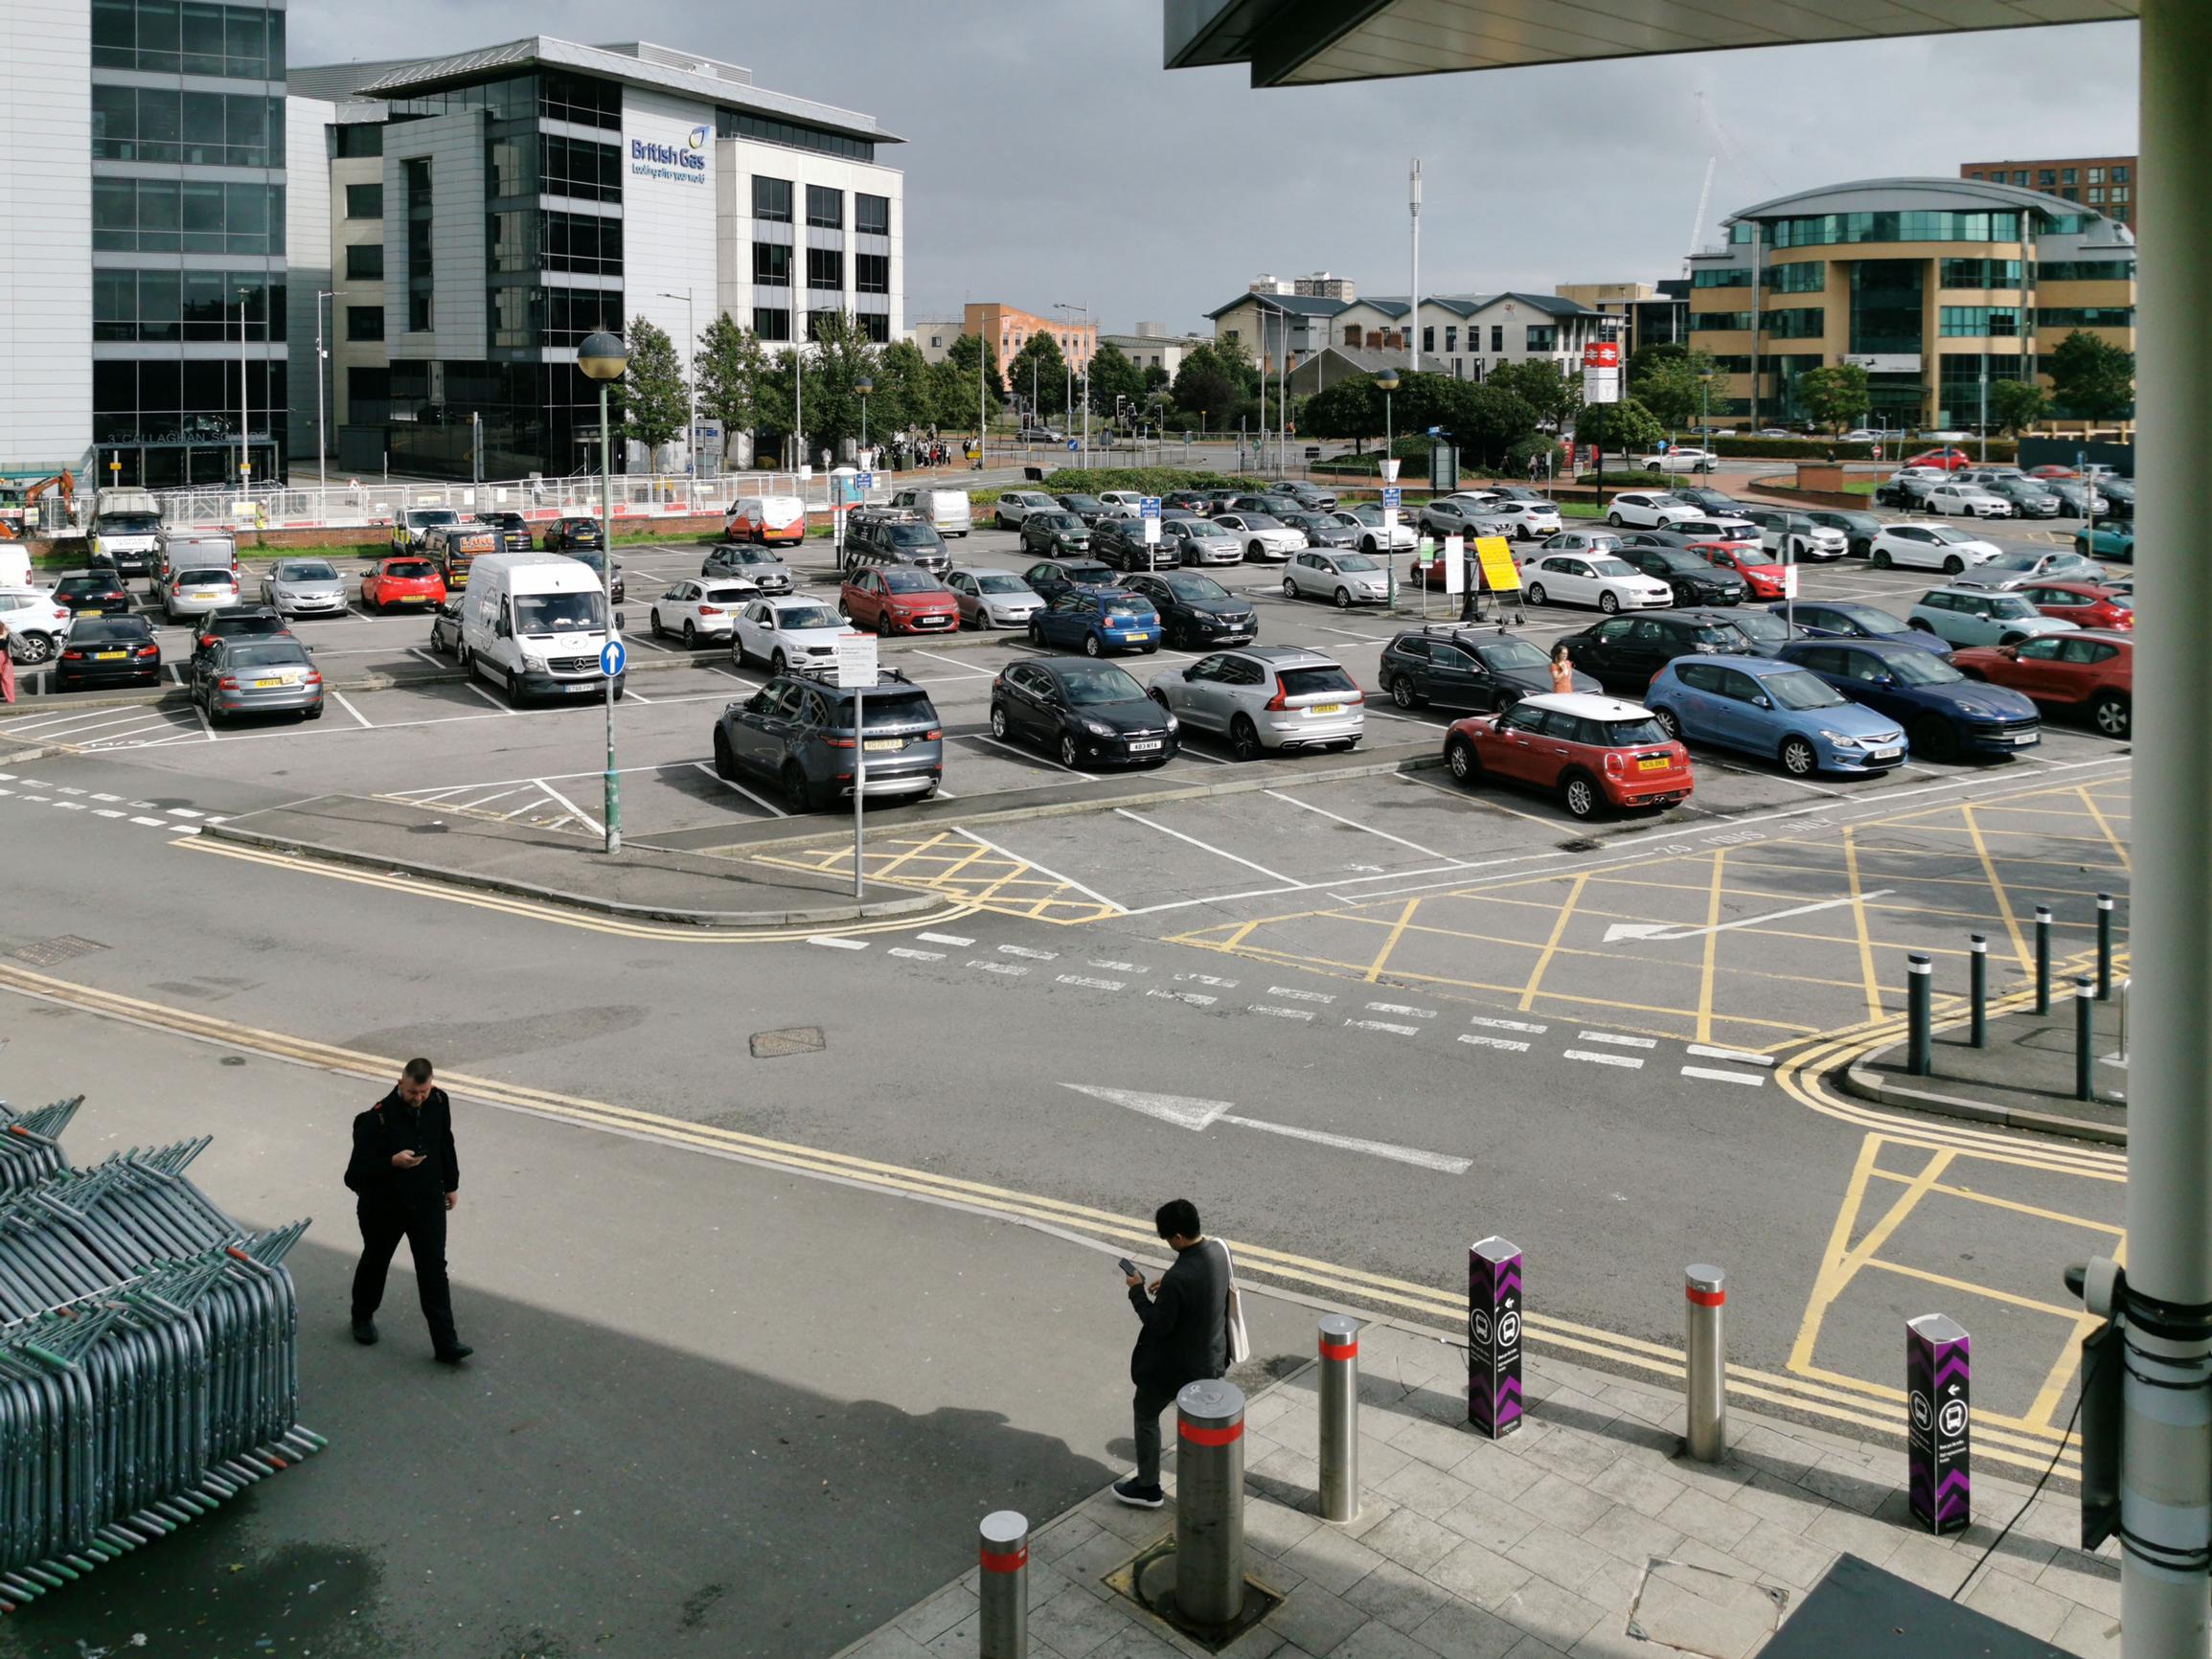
(583, 242)
(2087, 271)
(871, 214)
(364, 322)
(1728, 277)
(1886, 307)
(1805, 276)
(356, 139)
(872, 273)
(164, 38)
(1971, 322)
(578, 167)
(1711, 320)
(365, 262)
(365, 201)
(771, 265)
(1820, 229)
(536, 416)
(185, 402)
(740, 124)
(187, 215)
(195, 129)
(1543, 337)
(825, 208)
(1798, 323)
(874, 326)
(1983, 273)
(2085, 317)
(772, 200)
(772, 322)
(824, 268)
(159, 306)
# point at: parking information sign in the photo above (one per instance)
(612, 657)
(1390, 496)
(865, 480)
(1148, 510)
(1455, 564)
(855, 661)
(1499, 573)
(1494, 1315)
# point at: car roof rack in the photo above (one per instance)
(1452, 629)
(825, 674)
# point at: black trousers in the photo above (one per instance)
(423, 1227)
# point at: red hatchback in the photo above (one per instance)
(2089, 605)
(1948, 459)
(407, 583)
(2092, 671)
(900, 598)
(1760, 572)
(1597, 754)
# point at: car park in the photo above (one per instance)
(699, 608)
(1972, 615)
(1320, 529)
(410, 583)
(241, 622)
(1315, 498)
(92, 593)
(1457, 515)
(1096, 621)
(1121, 543)
(513, 529)
(2013, 569)
(2080, 499)
(1826, 618)
(2115, 541)
(1689, 577)
(800, 732)
(875, 536)
(194, 592)
(746, 562)
(1964, 500)
(537, 624)
(1794, 534)
(1015, 505)
(1049, 577)
(35, 624)
(898, 599)
(1201, 542)
(1604, 580)
(1946, 715)
(786, 633)
(1623, 652)
(572, 530)
(948, 512)
(1759, 706)
(1195, 612)
(412, 528)
(1457, 667)
(1267, 698)
(1088, 508)
(1768, 630)
(1595, 752)
(1941, 547)
(1526, 520)
(992, 599)
(2027, 497)
(1274, 503)
(1648, 509)
(771, 520)
(1086, 713)
(1265, 537)
(1858, 529)
(2087, 604)
(256, 676)
(1343, 578)
(2089, 671)
(1755, 568)
(96, 651)
(295, 587)
(1371, 538)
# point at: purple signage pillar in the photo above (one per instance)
(1493, 1314)
(1937, 1384)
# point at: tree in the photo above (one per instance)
(1485, 420)
(2015, 405)
(1833, 396)
(1156, 378)
(2091, 378)
(953, 384)
(1351, 408)
(1213, 381)
(836, 359)
(1671, 384)
(656, 404)
(901, 402)
(1549, 391)
(1112, 376)
(731, 367)
(1645, 358)
(1040, 367)
(1620, 428)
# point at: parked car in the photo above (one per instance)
(572, 530)
(1122, 503)
(992, 599)
(1678, 458)
(1588, 542)
(1049, 577)
(1463, 667)
(1606, 580)
(1759, 706)
(1688, 576)
(1088, 508)
(1365, 522)
(513, 530)
(445, 627)
(455, 548)
(1712, 503)
(1623, 652)
(2088, 604)
(1947, 460)
(240, 622)
(1768, 630)
(1794, 533)
(799, 732)
(1195, 612)
(92, 593)
(2088, 672)
(1271, 502)
(786, 633)
(1908, 490)
(1457, 515)
(1201, 542)
(1344, 578)
(1972, 615)
(2116, 541)
(1754, 567)
(746, 562)
(1121, 543)
(1710, 531)
(1316, 498)
(1096, 621)
(194, 592)
(1966, 500)
(1944, 715)
(2079, 499)
(594, 559)
(1262, 697)
(698, 609)
(894, 537)
(1859, 528)
(1189, 503)
(256, 676)
(898, 599)
(1013, 506)
(101, 651)
(411, 583)
(35, 624)
(2028, 497)
(1597, 754)
(1087, 713)
(1830, 619)
(2012, 570)
(413, 525)
(1266, 537)
(771, 520)
(948, 512)
(1525, 520)
(1940, 547)
(1320, 528)
(304, 587)
(1648, 509)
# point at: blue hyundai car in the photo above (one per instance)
(1847, 620)
(1096, 621)
(1776, 708)
(1944, 715)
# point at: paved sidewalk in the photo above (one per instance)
(1583, 1533)
(2023, 1079)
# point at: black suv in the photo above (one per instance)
(1197, 612)
(1625, 651)
(240, 622)
(1693, 580)
(1051, 534)
(1121, 543)
(513, 531)
(1465, 667)
(796, 732)
(888, 538)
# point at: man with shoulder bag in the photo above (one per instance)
(1192, 1328)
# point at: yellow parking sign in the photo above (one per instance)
(1499, 573)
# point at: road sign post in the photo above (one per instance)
(1493, 1318)
(1937, 1378)
(1148, 512)
(612, 657)
(858, 672)
(1390, 501)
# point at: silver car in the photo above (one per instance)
(1263, 697)
(304, 587)
(194, 591)
(1320, 529)
(250, 675)
(1203, 542)
(1348, 578)
(992, 599)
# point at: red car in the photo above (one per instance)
(410, 583)
(2052, 469)
(2089, 605)
(1760, 573)
(2090, 670)
(1597, 754)
(1946, 460)
(899, 598)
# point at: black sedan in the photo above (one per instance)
(1625, 651)
(1197, 612)
(101, 651)
(595, 559)
(1088, 508)
(512, 528)
(1049, 577)
(1693, 580)
(240, 622)
(567, 534)
(1714, 503)
(93, 593)
(1084, 714)
(1462, 668)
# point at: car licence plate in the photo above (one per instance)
(265, 685)
(1888, 754)
(1136, 636)
(110, 656)
(1326, 709)
(875, 745)
(1146, 743)
(1655, 764)
(580, 685)
(413, 598)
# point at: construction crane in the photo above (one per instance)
(1697, 224)
(61, 481)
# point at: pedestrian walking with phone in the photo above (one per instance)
(1562, 668)
(408, 1176)
(1190, 1329)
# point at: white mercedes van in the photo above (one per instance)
(536, 623)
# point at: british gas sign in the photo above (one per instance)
(684, 162)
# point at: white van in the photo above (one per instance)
(15, 566)
(535, 623)
(944, 510)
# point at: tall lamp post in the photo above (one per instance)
(603, 357)
(1083, 315)
(864, 385)
(1705, 410)
(1388, 381)
(691, 392)
(322, 357)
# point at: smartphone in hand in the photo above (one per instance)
(1129, 1269)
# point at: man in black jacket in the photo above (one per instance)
(1185, 1338)
(408, 1176)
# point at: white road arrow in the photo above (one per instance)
(1186, 1113)
(1180, 1110)
(1662, 931)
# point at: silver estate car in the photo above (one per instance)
(1201, 542)
(304, 587)
(1263, 697)
(256, 676)
(992, 599)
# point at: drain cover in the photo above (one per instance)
(46, 952)
(792, 1039)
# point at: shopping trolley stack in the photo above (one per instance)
(148, 1354)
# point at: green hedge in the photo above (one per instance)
(1150, 480)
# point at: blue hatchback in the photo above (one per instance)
(1097, 620)
(1944, 714)
(1764, 707)
(1847, 620)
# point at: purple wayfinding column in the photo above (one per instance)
(1493, 1313)
(1937, 1383)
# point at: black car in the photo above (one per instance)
(1121, 543)
(1190, 503)
(567, 534)
(797, 732)
(1087, 713)
(595, 559)
(1463, 667)
(2074, 494)
(1197, 612)
(1320, 530)
(512, 528)
(1048, 578)
(1051, 534)
(93, 593)
(901, 538)
(1768, 629)
(2119, 496)
(240, 622)
(1693, 580)
(1944, 715)
(1860, 529)
(1625, 651)
(1088, 508)
(107, 650)
(1717, 504)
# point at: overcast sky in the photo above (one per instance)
(1049, 157)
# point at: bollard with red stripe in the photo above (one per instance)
(1493, 1317)
(1339, 1368)
(1002, 1586)
(1705, 1360)
(1210, 1502)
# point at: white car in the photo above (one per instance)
(1460, 515)
(1366, 523)
(1681, 458)
(992, 599)
(1941, 547)
(1017, 505)
(1612, 584)
(1529, 519)
(699, 609)
(1201, 542)
(1969, 500)
(1581, 541)
(784, 632)
(35, 624)
(1338, 574)
(1263, 535)
(1865, 435)
(1650, 509)
(1783, 533)
(1122, 503)
(1736, 531)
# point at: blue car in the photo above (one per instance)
(1097, 620)
(1845, 620)
(1764, 707)
(1943, 714)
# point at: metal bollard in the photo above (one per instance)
(1003, 1586)
(2042, 959)
(1493, 1316)
(2104, 947)
(2085, 1088)
(1939, 1419)
(2125, 984)
(1919, 1014)
(1977, 983)
(1706, 1294)
(1339, 1417)
(1210, 1502)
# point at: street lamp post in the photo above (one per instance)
(245, 407)
(864, 385)
(690, 393)
(1082, 314)
(1388, 381)
(603, 357)
(322, 431)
